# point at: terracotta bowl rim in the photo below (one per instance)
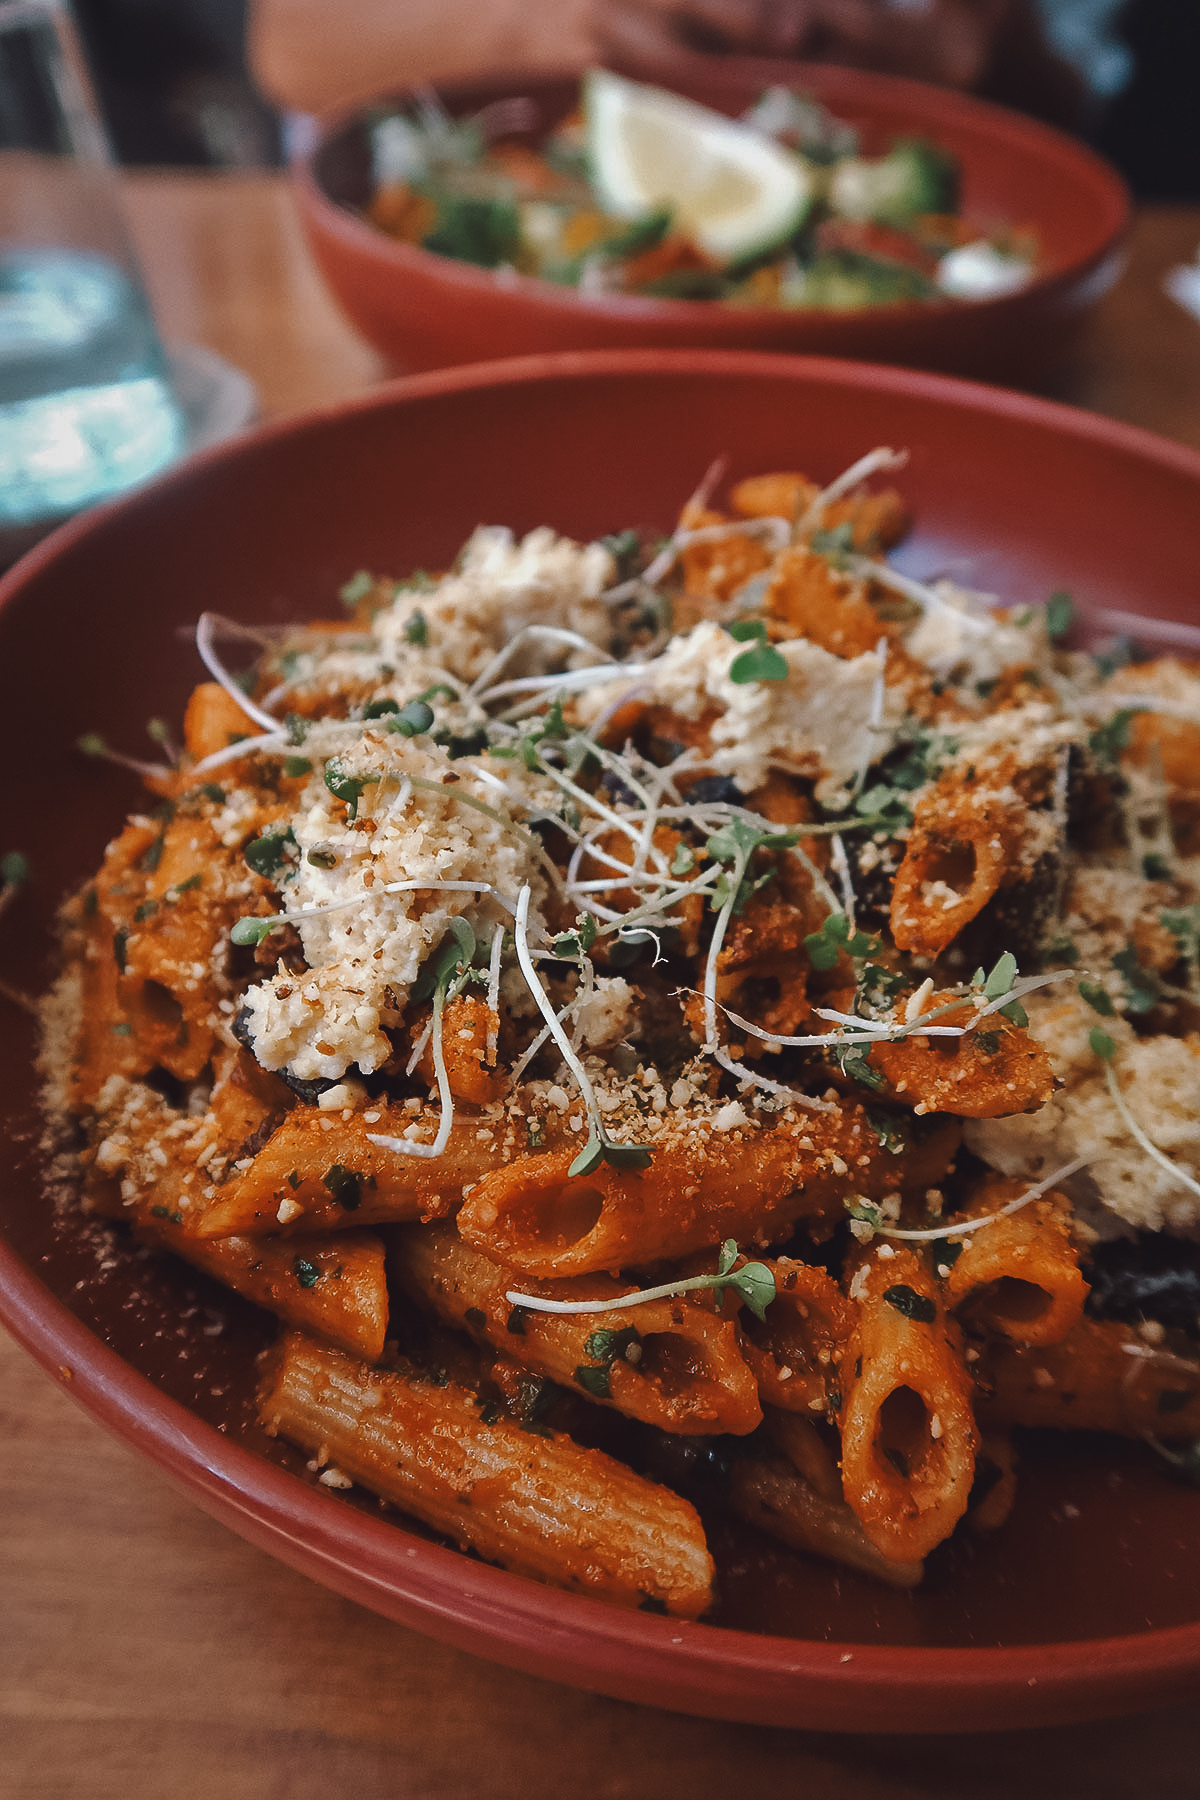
(1113, 205)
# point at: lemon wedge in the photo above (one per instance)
(733, 191)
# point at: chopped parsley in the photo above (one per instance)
(912, 1305)
(1142, 991)
(1108, 740)
(345, 1186)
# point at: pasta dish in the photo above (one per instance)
(668, 1027)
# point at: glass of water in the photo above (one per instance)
(86, 407)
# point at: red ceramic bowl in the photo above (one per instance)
(424, 311)
(1088, 1602)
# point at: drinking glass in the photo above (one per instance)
(86, 406)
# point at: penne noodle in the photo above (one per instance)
(334, 1286)
(795, 1351)
(320, 1172)
(540, 1505)
(699, 1190)
(908, 1432)
(1103, 1376)
(672, 1363)
(1018, 1276)
(806, 1450)
(770, 1493)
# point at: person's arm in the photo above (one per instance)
(308, 56)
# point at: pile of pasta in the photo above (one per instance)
(668, 1028)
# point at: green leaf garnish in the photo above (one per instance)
(594, 1380)
(344, 786)
(356, 589)
(416, 627)
(274, 855)
(1060, 614)
(836, 935)
(253, 931)
(1102, 1044)
(1142, 991)
(854, 1060)
(306, 1273)
(1108, 740)
(412, 720)
(578, 942)
(607, 1345)
(378, 709)
(14, 870)
(1097, 998)
(890, 1129)
(865, 1211)
(1002, 976)
(762, 663)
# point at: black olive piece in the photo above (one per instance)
(1151, 1276)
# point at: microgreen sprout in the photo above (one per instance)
(838, 934)
(1060, 615)
(411, 720)
(1108, 740)
(344, 786)
(762, 662)
(356, 589)
(445, 974)
(867, 1213)
(599, 1147)
(753, 1282)
(14, 870)
(93, 745)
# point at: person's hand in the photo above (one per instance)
(950, 42)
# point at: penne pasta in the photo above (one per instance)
(770, 1494)
(717, 985)
(1103, 1376)
(908, 1431)
(796, 1350)
(672, 1363)
(538, 1504)
(1018, 1276)
(334, 1286)
(709, 1186)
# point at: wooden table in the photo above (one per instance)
(147, 1653)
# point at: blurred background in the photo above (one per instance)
(217, 83)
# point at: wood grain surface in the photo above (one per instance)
(145, 1652)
